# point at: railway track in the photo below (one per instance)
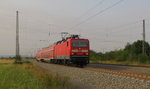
(126, 74)
(123, 65)
(99, 78)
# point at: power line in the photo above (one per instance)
(89, 10)
(97, 13)
(110, 41)
(125, 25)
(124, 29)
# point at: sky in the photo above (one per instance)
(107, 27)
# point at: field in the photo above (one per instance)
(28, 76)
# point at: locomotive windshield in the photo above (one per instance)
(77, 43)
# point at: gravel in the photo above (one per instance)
(144, 70)
(94, 80)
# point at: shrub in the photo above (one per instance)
(143, 58)
(122, 56)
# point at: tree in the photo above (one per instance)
(136, 47)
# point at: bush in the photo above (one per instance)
(143, 58)
(122, 56)
(94, 55)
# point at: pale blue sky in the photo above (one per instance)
(108, 31)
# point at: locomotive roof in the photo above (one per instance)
(62, 41)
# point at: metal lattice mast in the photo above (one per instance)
(17, 36)
(143, 48)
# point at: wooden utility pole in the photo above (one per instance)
(143, 48)
(17, 37)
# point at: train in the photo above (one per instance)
(71, 50)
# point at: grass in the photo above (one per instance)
(6, 61)
(121, 63)
(27, 76)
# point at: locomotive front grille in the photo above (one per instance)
(80, 59)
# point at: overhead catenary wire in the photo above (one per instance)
(89, 10)
(125, 25)
(100, 12)
(123, 28)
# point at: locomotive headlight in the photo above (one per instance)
(75, 50)
(84, 50)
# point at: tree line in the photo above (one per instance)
(131, 53)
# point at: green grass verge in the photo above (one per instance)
(27, 76)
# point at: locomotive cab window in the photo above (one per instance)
(79, 43)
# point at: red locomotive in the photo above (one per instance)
(71, 50)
